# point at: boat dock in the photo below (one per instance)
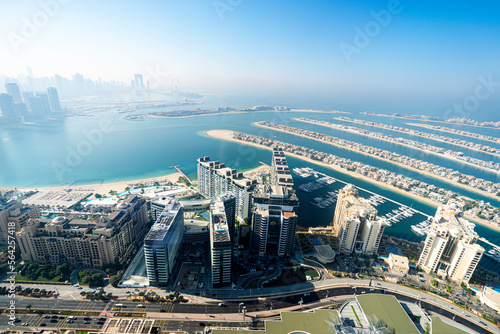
(487, 242)
(182, 173)
(372, 193)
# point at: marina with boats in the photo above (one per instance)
(494, 253)
(398, 214)
(423, 227)
(316, 184)
(324, 202)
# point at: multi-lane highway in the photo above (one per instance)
(252, 304)
(307, 299)
(53, 321)
(40, 322)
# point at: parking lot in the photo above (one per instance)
(189, 275)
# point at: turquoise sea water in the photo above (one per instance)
(106, 147)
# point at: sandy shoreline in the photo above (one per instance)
(120, 186)
(228, 135)
(437, 177)
(423, 150)
(255, 112)
(448, 130)
(101, 188)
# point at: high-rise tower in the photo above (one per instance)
(162, 243)
(450, 248)
(355, 223)
(274, 218)
(220, 245)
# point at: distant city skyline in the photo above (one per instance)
(76, 85)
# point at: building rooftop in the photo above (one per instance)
(275, 191)
(450, 218)
(492, 294)
(164, 222)
(219, 227)
(220, 232)
(316, 322)
(387, 308)
(399, 260)
(221, 169)
(325, 251)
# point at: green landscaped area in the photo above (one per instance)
(312, 272)
(441, 327)
(317, 322)
(387, 308)
(20, 278)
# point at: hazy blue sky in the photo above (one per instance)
(430, 55)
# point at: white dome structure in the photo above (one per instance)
(122, 206)
(58, 220)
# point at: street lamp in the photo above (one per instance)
(244, 313)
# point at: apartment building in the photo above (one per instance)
(450, 248)
(162, 243)
(355, 223)
(215, 179)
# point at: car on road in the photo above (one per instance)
(100, 323)
(88, 319)
(86, 322)
(24, 324)
(102, 319)
(69, 321)
(53, 320)
(47, 317)
(43, 324)
(202, 324)
(222, 305)
(54, 317)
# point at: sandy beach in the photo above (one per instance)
(448, 130)
(103, 188)
(434, 176)
(228, 135)
(422, 150)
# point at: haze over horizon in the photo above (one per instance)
(384, 56)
